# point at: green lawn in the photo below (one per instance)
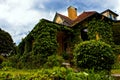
(57, 73)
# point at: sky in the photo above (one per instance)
(18, 17)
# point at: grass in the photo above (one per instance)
(18, 74)
(56, 73)
(115, 71)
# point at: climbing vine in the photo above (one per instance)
(43, 38)
(41, 42)
(102, 28)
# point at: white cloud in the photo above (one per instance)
(20, 17)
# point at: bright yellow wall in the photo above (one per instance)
(58, 20)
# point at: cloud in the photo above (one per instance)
(19, 17)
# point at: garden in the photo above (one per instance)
(36, 58)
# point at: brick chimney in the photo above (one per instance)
(72, 12)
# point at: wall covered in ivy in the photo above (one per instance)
(116, 33)
(102, 28)
(42, 39)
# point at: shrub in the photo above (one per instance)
(53, 60)
(31, 61)
(95, 55)
(1, 59)
(65, 55)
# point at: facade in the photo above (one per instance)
(73, 21)
(73, 18)
(66, 28)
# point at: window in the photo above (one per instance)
(84, 35)
(110, 16)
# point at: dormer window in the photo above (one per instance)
(110, 14)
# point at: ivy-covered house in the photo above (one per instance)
(82, 25)
(61, 34)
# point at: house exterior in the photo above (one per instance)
(73, 21)
(69, 30)
(110, 14)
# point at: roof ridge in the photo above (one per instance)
(83, 16)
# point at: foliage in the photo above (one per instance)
(40, 43)
(33, 61)
(94, 54)
(65, 55)
(1, 59)
(116, 65)
(76, 35)
(116, 33)
(6, 43)
(42, 39)
(116, 49)
(103, 28)
(57, 73)
(54, 60)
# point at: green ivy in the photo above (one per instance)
(116, 33)
(103, 28)
(42, 41)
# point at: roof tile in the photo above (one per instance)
(80, 18)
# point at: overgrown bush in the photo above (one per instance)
(94, 54)
(1, 59)
(31, 61)
(54, 60)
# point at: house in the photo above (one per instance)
(66, 29)
(73, 18)
(73, 21)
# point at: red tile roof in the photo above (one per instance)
(80, 18)
(83, 16)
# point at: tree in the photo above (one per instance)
(6, 43)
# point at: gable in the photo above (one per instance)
(58, 20)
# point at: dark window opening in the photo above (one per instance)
(84, 35)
